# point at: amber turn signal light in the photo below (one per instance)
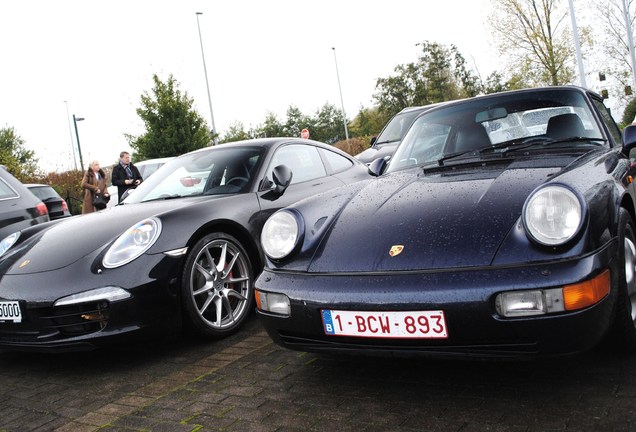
(584, 294)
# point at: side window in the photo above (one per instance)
(303, 160)
(149, 169)
(7, 191)
(609, 121)
(336, 162)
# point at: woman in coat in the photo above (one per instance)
(94, 181)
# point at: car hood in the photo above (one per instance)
(66, 242)
(443, 219)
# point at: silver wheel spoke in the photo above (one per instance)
(630, 266)
(236, 294)
(221, 264)
(208, 285)
(630, 274)
(240, 279)
(219, 311)
(210, 259)
(230, 266)
(228, 306)
(206, 304)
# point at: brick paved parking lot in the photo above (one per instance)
(246, 383)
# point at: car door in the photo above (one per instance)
(309, 177)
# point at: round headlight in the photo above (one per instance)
(280, 234)
(553, 215)
(135, 241)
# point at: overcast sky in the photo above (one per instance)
(261, 56)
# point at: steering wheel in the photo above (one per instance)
(239, 181)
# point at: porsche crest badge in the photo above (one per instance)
(396, 250)
(24, 263)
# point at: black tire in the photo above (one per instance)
(217, 289)
(624, 332)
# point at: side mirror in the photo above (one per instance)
(629, 139)
(282, 177)
(372, 141)
(377, 166)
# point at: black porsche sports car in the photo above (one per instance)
(183, 246)
(503, 226)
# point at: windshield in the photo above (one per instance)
(397, 127)
(497, 124)
(212, 171)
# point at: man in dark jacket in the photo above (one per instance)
(125, 175)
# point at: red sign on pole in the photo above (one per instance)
(304, 133)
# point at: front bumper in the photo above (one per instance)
(152, 310)
(467, 297)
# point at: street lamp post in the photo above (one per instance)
(577, 46)
(70, 132)
(206, 81)
(630, 40)
(79, 149)
(344, 116)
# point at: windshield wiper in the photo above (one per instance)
(577, 139)
(164, 198)
(385, 142)
(519, 145)
(441, 161)
(514, 146)
(534, 141)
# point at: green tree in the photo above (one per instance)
(172, 125)
(271, 127)
(439, 74)
(536, 37)
(630, 112)
(327, 126)
(19, 161)
(236, 132)
(495, 83)
(368, 122)
(296, 122)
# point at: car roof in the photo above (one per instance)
(153, 161)
(414, 108)
(275, 142)
(34, 185)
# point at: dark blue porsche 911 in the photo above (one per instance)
(503, 226)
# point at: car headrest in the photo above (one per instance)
(565, 126)
(471, 137)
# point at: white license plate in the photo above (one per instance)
(408, 325)
(10, 311)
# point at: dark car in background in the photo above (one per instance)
(19, 208)
(55, 204)
(513, 235)
(182, 248)
(386, 142)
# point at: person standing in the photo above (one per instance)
(125, 175)
(94, 182)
